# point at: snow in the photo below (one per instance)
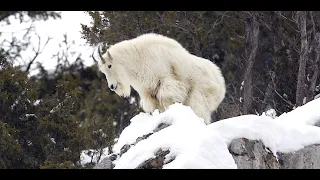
(216, 56)
(53, 110)
(306, 114)
(317, 88)
(37, 102)
(270, 113)
(132, 100)
(194, 145)
(242, 84)
(15, 103)
(145, 123)
(90, 154)
(274, 135)
(31, 115)
(285, 95)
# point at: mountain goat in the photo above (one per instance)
(163, 73)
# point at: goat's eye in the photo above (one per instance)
(109, 66)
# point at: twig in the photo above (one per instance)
(288, 102)
(37, 52)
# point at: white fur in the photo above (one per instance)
(184, 78)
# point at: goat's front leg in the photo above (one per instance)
(149, 104)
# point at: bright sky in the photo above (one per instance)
(70, 23)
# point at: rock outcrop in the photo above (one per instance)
(177, 138)
(250, 154)
(106, 163)
(247, 154)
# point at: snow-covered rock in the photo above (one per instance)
(252, 154)
(178, 139)
(106, 163)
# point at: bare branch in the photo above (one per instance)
(217, 22)
(37, 52)
(265, 24)
(160, 17)
(288, 102)
(28, 29)
(284, 17)
(139, 24)
(291, 20)
(92, 55)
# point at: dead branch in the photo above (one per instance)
(216, 23)
(38, 51)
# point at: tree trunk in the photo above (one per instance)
(314, 68)
(252, 33)
(301, 81)
(269, 95)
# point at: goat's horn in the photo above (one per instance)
(109, 55)
(102, 59)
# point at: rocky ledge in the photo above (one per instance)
(247, 154)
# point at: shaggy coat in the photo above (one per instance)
(163, 73)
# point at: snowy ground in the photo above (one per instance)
(195, 145)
